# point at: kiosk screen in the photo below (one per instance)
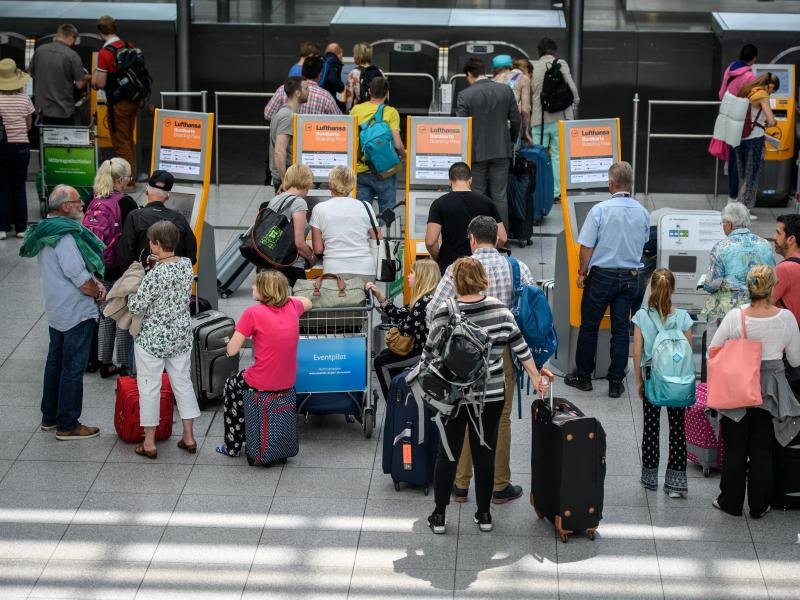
(682, 264)
(581, 212)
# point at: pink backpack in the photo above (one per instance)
(103, 218)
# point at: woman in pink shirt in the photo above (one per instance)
(274, 325)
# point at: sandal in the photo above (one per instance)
(223, 449)
(190, 448)
(151, 454)
(111, 370)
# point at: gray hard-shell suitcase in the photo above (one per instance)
(210, 365)
(232, 267)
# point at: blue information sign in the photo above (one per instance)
(331, 364)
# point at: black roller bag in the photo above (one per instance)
(786, 480)
(568, 467)
(521, 182)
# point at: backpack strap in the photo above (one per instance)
(371, 221)
(657, 322)
(452, 308)
(516, 277)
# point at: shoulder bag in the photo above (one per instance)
(734, 373)
(270, 242)
(386, 265)
(400, 344)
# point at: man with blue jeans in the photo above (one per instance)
(66, 252)
(611, 242)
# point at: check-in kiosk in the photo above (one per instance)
(776, 173)
(588, 149)
(433, 145)
(182, 142)
(685, 240)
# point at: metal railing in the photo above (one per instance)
(218, 126)
(674, 136)
(432, 79)
(203, 94)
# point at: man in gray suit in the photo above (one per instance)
(492, 107)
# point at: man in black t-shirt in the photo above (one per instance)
(450, 215)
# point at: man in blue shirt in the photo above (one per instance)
(611, 242)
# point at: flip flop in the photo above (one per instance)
(151, 454)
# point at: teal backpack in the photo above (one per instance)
(377, 146)
(669, 378)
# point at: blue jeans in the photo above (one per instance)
(549, 139)
(370, 186)
(67, 357)
(749, 156)
(604, 287)
(14, 159)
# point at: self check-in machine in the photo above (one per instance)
(779, 154)
(588, 149)
(434, 145)
(685, 240)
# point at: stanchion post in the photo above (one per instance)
(635, 140)
(647, 152)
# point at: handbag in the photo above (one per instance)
(734, 373)
(386, 265)
(398, 343)
(270, 242)
(331, 291)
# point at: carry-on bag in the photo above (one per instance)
(270, 426)
(786, 480)
(734, 372)
(232, 267)
(270, 242)
(410, 441)
(126, 410)
(568, 466)
(703, 440)
(542, 189)
(210, 364)
(519, 192)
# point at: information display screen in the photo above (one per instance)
(180, 152)
(324, 145)
(438, 147)
(591, 152)
(682, 264)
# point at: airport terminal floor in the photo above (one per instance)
(93, 520)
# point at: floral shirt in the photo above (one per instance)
(163, 299)
(410, 320)
(729, 262)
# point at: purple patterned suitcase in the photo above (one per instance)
(270, 424)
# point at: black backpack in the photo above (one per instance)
(556, 94)
(131, 81)
(3, 133)
(367, 75)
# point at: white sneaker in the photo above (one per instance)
(20, 234)
(753, 217)
(3, 235)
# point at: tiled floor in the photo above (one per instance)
(92, 520)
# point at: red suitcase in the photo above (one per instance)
(126, 412)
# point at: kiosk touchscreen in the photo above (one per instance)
(588, 149)
(434, 144)
(779, 153)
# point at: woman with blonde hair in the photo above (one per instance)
(471, 283)
(341, 230)
(750, 153)
(409, 321)
(292, 203)
(273, 323)
(105, 217)
(645, 329)
(358, 79)
(749, 434)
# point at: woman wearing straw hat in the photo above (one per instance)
(16, 111)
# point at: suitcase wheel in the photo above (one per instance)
(706, 471)
(396, 486)
(251, 461)
(425, 490)
(349, 418)
(590, 533)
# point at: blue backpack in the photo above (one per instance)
(377, 146)
(535, 321)
(669, 378)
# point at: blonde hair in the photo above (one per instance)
(298, 176)
(341, 180)
(426, 277)
(524, 65)
(272, 287)
(760, 282)
(110, 170)
(662, 285)
(469, 276)
(362, 53)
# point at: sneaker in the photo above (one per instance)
(20, 234)
(436, 523)
(758, 516)
(81, 432)
(47, 426)
(753, 217)
(460, 494)
(673, 494)
(3, 235)
(511, 492)
(584, 384)
(615, 388)
(483, 521)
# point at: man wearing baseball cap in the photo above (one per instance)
(133, 243)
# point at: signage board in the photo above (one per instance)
(435, 144)
(322, 142)
(591, 148)
(70, 166)
(182, 143)
(331, 364)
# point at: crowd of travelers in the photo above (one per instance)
(117, 298)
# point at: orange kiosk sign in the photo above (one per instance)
(322, 142)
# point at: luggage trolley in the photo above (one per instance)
(334, 359)
(67, 155)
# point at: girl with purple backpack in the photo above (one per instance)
(104, 216)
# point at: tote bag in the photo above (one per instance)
(271, 240)
(734, 373)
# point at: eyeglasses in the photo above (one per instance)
(74, 202)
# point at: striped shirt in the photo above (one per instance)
(14, 108)
(499, 323)
(320, 102)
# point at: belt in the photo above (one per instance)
(617, 271)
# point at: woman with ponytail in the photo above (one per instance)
(659, 307)
(104, 216)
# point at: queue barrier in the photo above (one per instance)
(231, 126)
(202, 94)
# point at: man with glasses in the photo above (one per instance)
(133, 243)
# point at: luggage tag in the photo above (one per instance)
(407, 462)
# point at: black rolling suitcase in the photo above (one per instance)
(519, 191)
(210, 364)
(786, 479)
(568, 466)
